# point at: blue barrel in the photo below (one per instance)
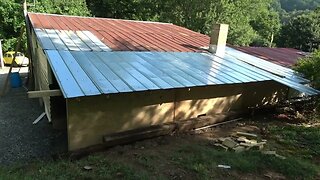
(15, 80)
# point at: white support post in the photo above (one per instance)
(1, 56)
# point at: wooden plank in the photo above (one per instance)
(85, 83)
(44, 93)
(57, 42)
(97, 41)
(44, 39)
(138, 134)
(68, 85)
(95, 75)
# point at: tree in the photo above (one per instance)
(302, 32)
(11, 16)
(196, 15)
(267, 25)
(310, 67)
(11, 20)
(292, 5)
(69, 7)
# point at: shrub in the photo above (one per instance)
(310, 67)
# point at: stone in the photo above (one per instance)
(245, 140)
(228, 142)
(239, 149)
(87, 168)
(269, 152)
(242, 139)
(224, 166)
(220, 146)
(273, 153)
(247, 134)
(273, 175)
(279, 156)
(215, 140)
(253, 146)
(246, 144)
(300, 116)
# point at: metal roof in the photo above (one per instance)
(286, 57)
(92, 73)
(85, 63)
(127, 35)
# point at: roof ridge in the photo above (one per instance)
(139, 21)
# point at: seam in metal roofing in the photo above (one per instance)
(87, 58)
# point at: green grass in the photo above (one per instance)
(204, 161)
(102, 168)
(189, 159)
(297, 140)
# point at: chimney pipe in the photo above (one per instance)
(218, 38)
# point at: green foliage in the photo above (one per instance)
(246, 18)
(11, 17)
(70, 7)
(302, 32)
(310, 67)
(267, 24)
(11, 20)
(291, 5)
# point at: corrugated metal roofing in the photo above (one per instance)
(92, 56)
(126, 35)
(286, 57)
(91, 73)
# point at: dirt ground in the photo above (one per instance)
(20, 140)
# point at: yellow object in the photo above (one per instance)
(20, 58)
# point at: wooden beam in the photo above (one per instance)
(44, 93)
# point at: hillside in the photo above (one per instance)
(291, 5)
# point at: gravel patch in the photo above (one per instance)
(20, 140)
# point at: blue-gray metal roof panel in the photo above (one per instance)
(85, 73)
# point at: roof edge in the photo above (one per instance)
(155, 22)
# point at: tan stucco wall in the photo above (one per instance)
(90, 118)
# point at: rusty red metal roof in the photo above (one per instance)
(127, 35)
(287, 57)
